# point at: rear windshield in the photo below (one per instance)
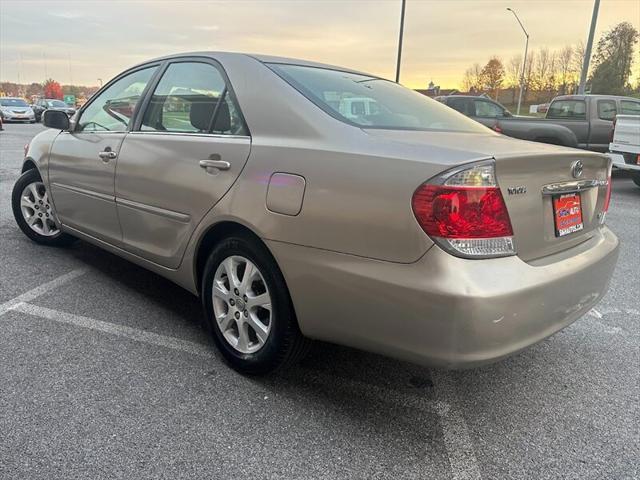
(371, 102)
(56, 103)
(567, 109)
(13, 102)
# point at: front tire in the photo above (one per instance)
(248, 309)
(34, 213)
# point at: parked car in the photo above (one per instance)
(625, 145)
(590, 117)
(51, 104)
(413, 232)
(498, 118)
(13, 109)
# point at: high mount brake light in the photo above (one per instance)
(464, 212)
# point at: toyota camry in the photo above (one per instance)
(304, 201)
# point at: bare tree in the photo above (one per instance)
(472, 80)
(513, 69)
(565, 68)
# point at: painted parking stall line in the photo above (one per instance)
(115, 329)
(458, 444)
(462, 457)
(41, 289)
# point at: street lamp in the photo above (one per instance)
(524, 63)
(404, 2)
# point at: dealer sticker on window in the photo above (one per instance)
(567, 212)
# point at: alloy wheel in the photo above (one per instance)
(37, 211)
(242, 304)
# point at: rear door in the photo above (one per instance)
(572, 113)
(602, 124)
(184, 154)
(83, 161)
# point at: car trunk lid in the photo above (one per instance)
(529, 185)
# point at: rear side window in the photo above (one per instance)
(461, 105)
(627, 107)
(192, 97)
(573, 109)
(487, 109)
(606, 109)
(371, 102)
(112, 110)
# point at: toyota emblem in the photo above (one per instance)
(576, 169)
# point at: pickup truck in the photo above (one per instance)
(625, 145)
(498, 118)
(590, 117)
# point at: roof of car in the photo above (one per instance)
(263, 59)
(586, 96)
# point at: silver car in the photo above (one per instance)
(14, 109)
(304, 201)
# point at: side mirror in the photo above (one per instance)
(507, 113)
(55, 119)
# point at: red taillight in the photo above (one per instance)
(607, 198)
(461, 212)
(613, 130)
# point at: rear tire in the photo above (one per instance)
(259, 306)
(34, 213)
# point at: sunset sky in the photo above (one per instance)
(81, 41)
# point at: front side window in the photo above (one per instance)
(371, 102)
(606, 109)
(112, 110)
(192, 97)
(571, 109)
(628, 107)
(487, 109)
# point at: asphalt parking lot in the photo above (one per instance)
(106, 373)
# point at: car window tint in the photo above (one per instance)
(112, 110)
(487, 109)
(574, 109)
(186, 99)
(606, 109)
(459, 104)
(628, 107)
(371, 102)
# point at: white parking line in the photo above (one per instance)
(460, 452)
(462, 457)
(115, 329)
(42, 289)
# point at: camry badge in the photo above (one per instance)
(519, 190)
(576, 169)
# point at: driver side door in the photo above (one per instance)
(83, 160)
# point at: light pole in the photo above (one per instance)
(400, 41)
(524, 63)
(587, 52)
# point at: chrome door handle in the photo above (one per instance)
(107, 155)
(219, 164)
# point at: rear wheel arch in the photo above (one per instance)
(214, 235)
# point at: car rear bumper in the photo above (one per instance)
(443, 310)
